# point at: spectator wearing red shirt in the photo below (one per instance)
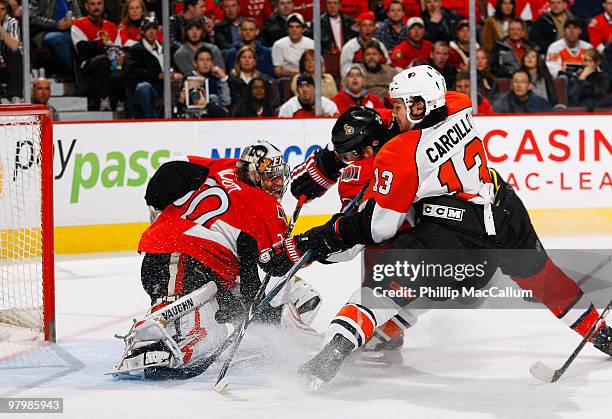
(354, 92)
(600, 27)
(414, 50)
(95, 39)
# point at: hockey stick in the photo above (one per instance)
(222, 383)
(546, 374)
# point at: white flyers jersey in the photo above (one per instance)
(447, 159)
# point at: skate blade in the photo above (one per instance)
(381, 357)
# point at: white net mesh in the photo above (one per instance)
(21, 280)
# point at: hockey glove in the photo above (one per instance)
(317, 174)
(322, 240)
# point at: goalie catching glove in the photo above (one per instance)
(317, 174)
(322, 241)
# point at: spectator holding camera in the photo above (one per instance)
(304, 103)
(592, 85)
(257, 100)
(98, 47)
(218, 87)
(245, 69)
(183, 57)
(565, 56)
(520, 98)
(192, 103)
(50, 23)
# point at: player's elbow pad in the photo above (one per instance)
(356, 228)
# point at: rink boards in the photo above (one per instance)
(560, 165)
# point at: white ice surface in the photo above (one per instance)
(457, 363)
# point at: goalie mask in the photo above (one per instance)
(262, 165)
(420, 82)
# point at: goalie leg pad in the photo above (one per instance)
(157, 339)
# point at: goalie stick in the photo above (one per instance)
(222, 383)
(546, 374)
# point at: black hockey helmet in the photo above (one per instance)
(356, 128)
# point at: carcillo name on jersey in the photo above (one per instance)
(453, 136)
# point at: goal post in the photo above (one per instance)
(27, 289)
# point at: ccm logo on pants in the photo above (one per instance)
(441, 211)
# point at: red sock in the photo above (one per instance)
(557, 291)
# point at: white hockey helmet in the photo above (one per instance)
(420, 81)
(262, 165)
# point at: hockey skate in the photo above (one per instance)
(385, 352)
(140, 355)
(324, 366)
(603, 340)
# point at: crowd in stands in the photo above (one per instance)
(251, 58)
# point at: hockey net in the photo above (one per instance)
(26, 224)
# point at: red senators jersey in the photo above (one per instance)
(207, 224)
(85, 29)
(406, 55)
(353, 178)
(448, 158)
(600, 31)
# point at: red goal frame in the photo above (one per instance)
(46, 169)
